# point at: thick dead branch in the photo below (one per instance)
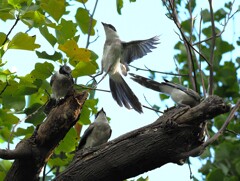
(35, 151)
(146, 148)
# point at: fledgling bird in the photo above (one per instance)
(117, 55)
(181, 95)
(97, 133)
(61, 83)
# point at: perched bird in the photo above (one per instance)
(97, 133)
(116, 57)
(61, 82)
(181, 95)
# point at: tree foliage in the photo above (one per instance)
(200, 53)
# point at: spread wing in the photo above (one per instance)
(84, 137)
(137, 49)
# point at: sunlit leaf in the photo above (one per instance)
(88, 107)
(2, 37)
(33, 18)
(84, 68)
(54, 8)
(75, 53)
(82, 1)
(7, 118)
(119, 4)
(23, 41)
(83, 19)
(68, 144)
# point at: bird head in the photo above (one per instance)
(65, 70)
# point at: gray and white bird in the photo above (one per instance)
(97, 133)
(116, 57)
(61, 82)
(181, 95)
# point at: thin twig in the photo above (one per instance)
(229, 16)
(90, 24)
(211, 81)
(187, 45)
(90, 88)
(148, 69)
(156, 111)
(7, 84)
(11, 30)
(200, 63)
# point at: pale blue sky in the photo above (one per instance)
(140, 20)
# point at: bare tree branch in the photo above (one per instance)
(211, 80)
(202, 147)
(163, 141)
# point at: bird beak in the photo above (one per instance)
(104, 24)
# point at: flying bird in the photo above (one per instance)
(117, 55)
(97, 133)
(181, 95)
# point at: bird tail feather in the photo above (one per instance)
(123, 94)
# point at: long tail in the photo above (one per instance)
(151, 84)
(122, 93)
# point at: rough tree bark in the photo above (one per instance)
(31, 154)
(166, 140)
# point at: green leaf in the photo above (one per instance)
(27, 132)
(119, 4)
(42, 70)
(84, 68)
(66, 30)
(220, 14)
(5, 133)
(54, 8)
(5, 165)
(35, 118)
(48, 36)
(88, 107)
(58, 161)
(7, 118)
(69, 142)
(33, 19)
(2, 37)
(83, 19)
(206, 15)
(27, 85)
(56, 56)
(23, 41)
(16, 102)
(215, 174)
(7, 11)
(223, 47)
